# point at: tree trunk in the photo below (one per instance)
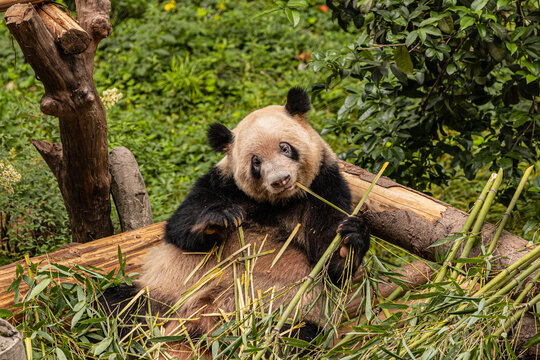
(80, 164)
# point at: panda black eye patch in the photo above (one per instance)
(289, 151)
(255, 167)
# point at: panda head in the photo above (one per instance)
(271, 149)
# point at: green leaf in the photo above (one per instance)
(77, 317)
(297, 3)
(5, 313)
(432, 30)
(60, 354)
(478, 5)
(466, 21)
(502, 3)
(454, 237)
(512, 47)
(39, 288)
(393, 306)
(102, 346)
(168, 338)
(293, 15)
(446, 24)
(403, 60)
(411, 38)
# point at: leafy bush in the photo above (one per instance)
(33, 219)
(442, 87)
(440, 90)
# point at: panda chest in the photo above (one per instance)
(276, 222)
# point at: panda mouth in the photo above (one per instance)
(289, 188)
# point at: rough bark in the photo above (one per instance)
(128, 190)
(65, 30)
(80, 164)
(11, 346)
(5, 4)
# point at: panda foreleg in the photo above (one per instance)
(355, 233)
(206, 215)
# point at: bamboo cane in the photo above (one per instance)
(470, 219)
(316, 269)
(479, 221)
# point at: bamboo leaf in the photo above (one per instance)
(102, 346)
(39, 288)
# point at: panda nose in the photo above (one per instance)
(282, 182)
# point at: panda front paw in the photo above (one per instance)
(355, 233)
(215, 219)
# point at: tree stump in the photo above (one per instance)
(11, 345)
(128, 190)
(80, 164)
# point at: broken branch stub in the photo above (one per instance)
(71, 37)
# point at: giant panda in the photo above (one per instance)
(254, 186)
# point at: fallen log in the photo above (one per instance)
(413, 220)
(397, 214)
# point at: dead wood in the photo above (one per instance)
(64, 29)
(5, 4)
(128, 190)
(414, 221)
(80, 164)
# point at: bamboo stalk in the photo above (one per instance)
(527, 288)
(316, 269)
(5, 4)
(509, 209)
(479, 221)
(511, 320)
(470, 219)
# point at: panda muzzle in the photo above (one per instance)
(283, 182)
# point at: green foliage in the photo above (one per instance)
(443, 87)
(180, 66)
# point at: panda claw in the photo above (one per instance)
(355, 233)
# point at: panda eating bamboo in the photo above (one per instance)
(254, 186)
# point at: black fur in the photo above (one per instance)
(115, 299)
(215, 197)
(214, 202)
(219, 137)
(298, 102)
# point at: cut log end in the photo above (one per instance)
(65, 30)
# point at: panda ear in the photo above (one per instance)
(298, 102)
(219, 137)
